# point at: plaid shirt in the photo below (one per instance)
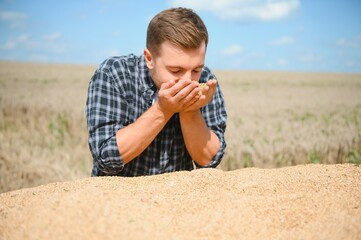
(120, 91)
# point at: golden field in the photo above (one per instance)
(275, 119)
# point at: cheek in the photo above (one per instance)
(167, 76)
(196, 76)
(163, 76)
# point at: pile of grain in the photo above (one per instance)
(301, 202)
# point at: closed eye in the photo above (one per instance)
(198, 70)
(174, 70)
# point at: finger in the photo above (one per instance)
(213, 81)
(191, 96)
(167, 85)
(212, 84)
(208, 91)
(186, 93)
(178, 86)
(191, 102)
(204, 88)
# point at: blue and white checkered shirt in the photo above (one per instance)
(120, 91)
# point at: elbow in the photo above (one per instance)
(106, 167)
(206, 159)
(212, 159)
(107, 159)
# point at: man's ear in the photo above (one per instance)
(148, 59)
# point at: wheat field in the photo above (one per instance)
(275, 119)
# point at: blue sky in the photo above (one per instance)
(292, 35)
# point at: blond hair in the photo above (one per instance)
(180, 26)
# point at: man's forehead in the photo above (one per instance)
(184, 66)
(168, 47)
(173, 56)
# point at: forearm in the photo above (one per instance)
(133, 139)
(201, 143)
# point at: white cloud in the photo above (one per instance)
(310, 57)
(11, 16)
(23, 38)
(353, 42)
(243, 10)
(52, 36)
(10, 44)
(286, 40)
(113, 52)
(117, 33)
(282, 62)
(13, 43)
(38, 57)
(301, 29)
(47, 44)
(232, 50)
(14, 19)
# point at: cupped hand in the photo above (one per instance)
(176, 96)
(203, 96)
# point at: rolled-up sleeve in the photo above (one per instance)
(215, 116)
(106, 113)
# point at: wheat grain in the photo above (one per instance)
(201, 87)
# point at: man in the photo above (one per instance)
(149, 114)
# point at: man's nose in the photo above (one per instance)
(187, 75)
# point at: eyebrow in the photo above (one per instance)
(200, 66)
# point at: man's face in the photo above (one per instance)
(174, 63)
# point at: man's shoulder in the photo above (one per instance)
(125, 62)
(207, 70)
(206, 74)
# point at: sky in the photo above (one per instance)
(277, 35)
